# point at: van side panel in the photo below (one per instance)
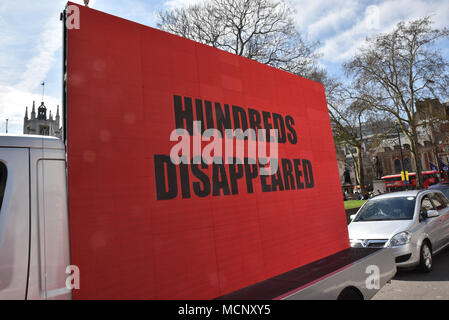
(53, 227)
(143, 227)
(14, 224)
(50, 254)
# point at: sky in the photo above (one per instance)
(31, 39)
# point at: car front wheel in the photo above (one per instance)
(426, 258)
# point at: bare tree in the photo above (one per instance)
(399, 68)
(356, 125)
(346, 118)
(261, 30)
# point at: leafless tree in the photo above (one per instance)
(346, 119)
(355, 124)
(262, 30)
(399, 68)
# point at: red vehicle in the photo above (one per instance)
(394, 183)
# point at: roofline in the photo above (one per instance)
(30, 141)
(396, 194)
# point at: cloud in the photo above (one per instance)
(12, 107)
(175, 4)
(38, 67)
(323, 17)
(332, 22)
(20, 81)
(343, 25)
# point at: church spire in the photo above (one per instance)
(26, 113)
(33, 112)
(57, 116)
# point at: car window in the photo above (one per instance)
(426, 204)
(444, 199)
(445, 192)
(439, 201)
(382, 209)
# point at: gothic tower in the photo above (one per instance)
(41, 125)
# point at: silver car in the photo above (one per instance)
(415, 224)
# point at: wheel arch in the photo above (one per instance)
(350, 293)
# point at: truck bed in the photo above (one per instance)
(291, 282)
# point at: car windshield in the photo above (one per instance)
(397, 208)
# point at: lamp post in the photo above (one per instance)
(400, 148)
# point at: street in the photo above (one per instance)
(415, 285)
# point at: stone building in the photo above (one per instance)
(434, 132)
(40, 124)
(433, 140)
(385, 158)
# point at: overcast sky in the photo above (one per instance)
(31, 38)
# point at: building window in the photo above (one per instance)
(397, 166)
(387, 166)
(426, 161)
(408, 165)
(44, 131)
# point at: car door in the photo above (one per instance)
(443, 221)
(429, 224)
(438, 230)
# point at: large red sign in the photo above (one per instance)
(144, 227)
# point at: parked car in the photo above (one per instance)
(415, 224)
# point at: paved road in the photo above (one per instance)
(414, 285)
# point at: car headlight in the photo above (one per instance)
(400, 239)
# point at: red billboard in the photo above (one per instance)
(145, 227)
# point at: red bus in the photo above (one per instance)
(394, 183)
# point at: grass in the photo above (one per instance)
(349, 204)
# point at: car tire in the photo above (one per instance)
(426, 259)
(350, 293)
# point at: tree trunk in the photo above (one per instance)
(414, 148)
(361, 172)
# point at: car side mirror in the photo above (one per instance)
(352, 216)
(432, 214)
